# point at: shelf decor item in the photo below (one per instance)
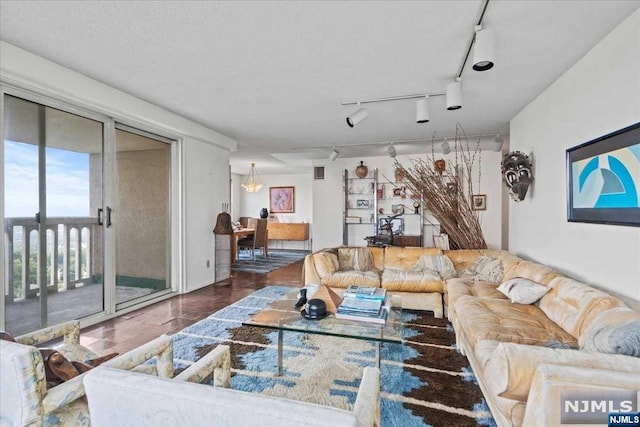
(361, 203)
(362, 171)
(264, 213)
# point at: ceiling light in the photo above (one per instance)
(446, 149)
(391, 150)
(334, 154)
(483, 52)
(422, 110)
(252, 184)
(454, 95)
(357, 117)
(496, 144)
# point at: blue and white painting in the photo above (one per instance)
(609, 180)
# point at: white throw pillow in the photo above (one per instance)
(523, 291)
(437, 263)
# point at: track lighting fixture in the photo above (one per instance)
(252, 184)
(496, 144)
(446, 149)
(359, 115)
(422, 110)
(391, 150)
(334, 154)
(454, 95)
(483, 52)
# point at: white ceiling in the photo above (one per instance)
(273, 75)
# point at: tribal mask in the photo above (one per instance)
(517, 173)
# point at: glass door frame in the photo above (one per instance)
(176, 258)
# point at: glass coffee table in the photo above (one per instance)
(281, 316)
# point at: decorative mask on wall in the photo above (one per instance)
(517, 173)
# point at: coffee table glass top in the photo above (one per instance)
(281, 315)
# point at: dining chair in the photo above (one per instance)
(259, 239)
(244, 221)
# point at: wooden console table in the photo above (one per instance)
(288, 231)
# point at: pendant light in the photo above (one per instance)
(252, 184)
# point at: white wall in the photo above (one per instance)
(251, 203)
(201, 201)
(206, 188)
(598, 95)
(328, 199)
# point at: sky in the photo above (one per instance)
(67, 181)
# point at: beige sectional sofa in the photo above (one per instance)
(524, 355)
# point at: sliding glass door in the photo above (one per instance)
(87, 214)
(52, 206)
(142, 214)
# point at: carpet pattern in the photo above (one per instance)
(275, 260)
(424, 380)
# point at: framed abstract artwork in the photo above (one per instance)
(603, 179)
(282, 199)
(479, 202)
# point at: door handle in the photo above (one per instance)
(108, 216)
(100, 210)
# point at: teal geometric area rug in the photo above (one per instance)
(424, 381)
(275, 260)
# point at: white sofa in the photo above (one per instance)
(127, 399)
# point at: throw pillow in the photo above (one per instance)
(615, 339)
(436, 263)
(486, 269)
(358, 259)
(523, 291)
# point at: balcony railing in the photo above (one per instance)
(71, 260)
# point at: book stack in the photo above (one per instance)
(363, 303)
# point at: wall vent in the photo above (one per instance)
(318, 172)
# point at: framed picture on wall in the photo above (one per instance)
(479, 202)
(603, 179)
(282, 199)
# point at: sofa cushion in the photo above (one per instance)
(326, 263)
(358, 259)
(501, 320)
(486, 269)
(405, 258)
(573, 305)
(439, 263)
(465, 258)
(517, 364)
(344, 279)
(523, 291)
(459, 287)
(530, 270)
(411, 280)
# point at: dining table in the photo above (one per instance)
(239, 234)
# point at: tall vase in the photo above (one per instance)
(264, 213)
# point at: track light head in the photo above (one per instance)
(483, 52)
(359, 115)
(334, 154)
(496, 144)
(446, 148)
(391, 150)
(454, 95)
(422, 110)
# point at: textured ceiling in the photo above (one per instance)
(272, 75)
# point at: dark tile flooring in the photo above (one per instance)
(133, 329)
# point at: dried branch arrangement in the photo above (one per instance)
(446, 190)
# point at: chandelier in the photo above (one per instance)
(252, 184)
